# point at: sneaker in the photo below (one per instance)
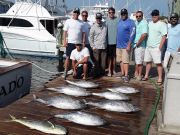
(126, 79)
(64, 75)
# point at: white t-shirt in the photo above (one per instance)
(74, 28)
(87, 27)
(75, 55)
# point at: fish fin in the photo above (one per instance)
(12, 117)
(51, 124)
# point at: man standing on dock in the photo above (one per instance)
(74, 33)
(87, 26)
(111, 22)
(98, 43)
(140, 43)
(156, 39)
(173, 45)
(125, 36)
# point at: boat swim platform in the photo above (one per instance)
(118, 123)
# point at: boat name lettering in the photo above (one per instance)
(12, 86)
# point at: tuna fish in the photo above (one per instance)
(83, 84)
(83, 118)
(115, 106)
(112, 96)
(62, 102)
(124, 89)
(43, 126)
(71, 90)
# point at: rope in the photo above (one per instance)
(154, 108)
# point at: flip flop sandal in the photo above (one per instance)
(145, 79)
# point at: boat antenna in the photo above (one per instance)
(15, 14)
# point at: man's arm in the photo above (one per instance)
(132, 36)
(142, 38)
(163, 40)
(65, 38)
(91, 36)
(83, 38)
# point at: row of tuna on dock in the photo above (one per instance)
(115, 100)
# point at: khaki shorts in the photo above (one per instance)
(122, 56)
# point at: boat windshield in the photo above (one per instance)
(50, 25)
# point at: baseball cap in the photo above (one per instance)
(98, 16)
(155, 12)
(124, 11)
(76, 10)
(174, 15)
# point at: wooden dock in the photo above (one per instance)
(118, 123)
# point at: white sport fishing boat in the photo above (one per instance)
(101, 7)
(29, 29)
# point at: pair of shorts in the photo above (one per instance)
(139, 55)
(80, 71)
(111, 51)
(153, 54)
(122, 56)
(70, 47)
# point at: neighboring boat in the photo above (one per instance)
(101, 7)
(5, 5)
(29, 29)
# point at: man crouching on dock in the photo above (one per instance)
(81, 62)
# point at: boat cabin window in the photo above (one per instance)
(16, 22)
(50, 26)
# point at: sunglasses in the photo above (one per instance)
(84, 15)
(111, 12)
(138, 16)
(123, 14)
(173, 18)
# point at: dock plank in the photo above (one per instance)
(118, 123)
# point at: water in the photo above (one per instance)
(39, 77)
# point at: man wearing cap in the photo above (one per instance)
(156, 39)
(87, 26)
(125, 37)
(140, 43)
(111, 23)
(81, 62)
(98, 43)
(173, 45)
(74, 33)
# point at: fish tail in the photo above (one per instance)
(35, 98)
(12, 117)
(59, 116)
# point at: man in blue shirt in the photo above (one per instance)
(173, 38)
(125, 37)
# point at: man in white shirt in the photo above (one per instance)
(87, 27)
(74, 33)
(81, 62)
(156, 39)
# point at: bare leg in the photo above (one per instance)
(85, 68)
(148, 68)
(122, 68)
(114, 65)
(110, 66)
(160, 72)
(126, 69)
(66, 64)
(140, 67)
(136, 73)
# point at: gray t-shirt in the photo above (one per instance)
(112, 30)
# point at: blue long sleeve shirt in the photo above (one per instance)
(125, 33)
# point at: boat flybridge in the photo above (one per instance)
(29, 29)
